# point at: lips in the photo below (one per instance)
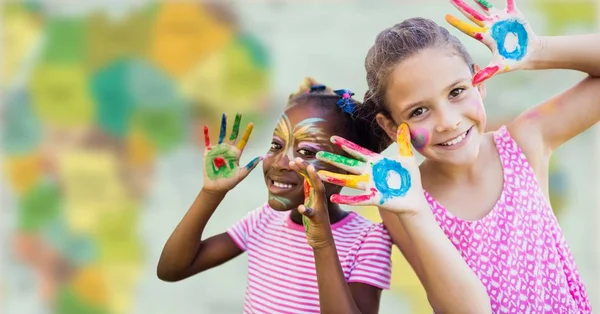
(280, 185)
(457, 139)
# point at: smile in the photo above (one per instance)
(458, 139)
(278, 187)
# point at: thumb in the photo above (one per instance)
(245, 171)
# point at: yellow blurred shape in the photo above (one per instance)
(140, 151)
(110, 39)
(226, 79)
(404, 279)
(61, 95)
(121, 279)
(90, 284)
(20, 30)
(92, 186)
(185, 33)
(23, 171)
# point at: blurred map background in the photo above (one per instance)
(101, 106)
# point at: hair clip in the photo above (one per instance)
(345, 103)
(317, 88)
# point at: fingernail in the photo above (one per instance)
(308, 211)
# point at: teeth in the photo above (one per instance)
(282, 185)
(456, 140)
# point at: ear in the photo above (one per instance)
(480, 87)
(388, 125)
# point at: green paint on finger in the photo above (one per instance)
(340, 159)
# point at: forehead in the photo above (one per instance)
(309, 114)
(425, 75)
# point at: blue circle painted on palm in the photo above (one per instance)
(382, 171)
(502, 29)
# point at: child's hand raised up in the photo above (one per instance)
(315, 216)
(221, 162)
(391, 184)
(506, 32)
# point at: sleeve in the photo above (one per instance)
(241, 231)
(373, 261)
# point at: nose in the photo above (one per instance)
(282, 162)
(448, 118)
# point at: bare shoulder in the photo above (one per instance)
(528, 137)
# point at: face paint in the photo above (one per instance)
(281, 200)
(419, 138)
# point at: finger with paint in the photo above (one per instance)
(505, 32)
(313, 204)
(391, 183)
(222, 170)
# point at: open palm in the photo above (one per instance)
(221, 162)
(505, 32)
(391, 184)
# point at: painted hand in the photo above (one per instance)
(391, 184)
(315, 216)
(506, 32)
(221, 162)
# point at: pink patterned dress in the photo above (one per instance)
(518, 250)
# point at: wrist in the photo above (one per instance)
(213, 193)
(537, 59)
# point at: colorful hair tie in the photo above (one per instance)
(345, 103)
(317, 88)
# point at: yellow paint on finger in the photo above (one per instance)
(242, 143)
(465, 27)
(403, 140)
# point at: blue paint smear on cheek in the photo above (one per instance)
(500, 31)
(381, 172)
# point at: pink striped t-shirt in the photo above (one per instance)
(281, 265)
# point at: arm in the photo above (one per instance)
(185, 253)
(450, 284)
(542, 129)
(335, 294)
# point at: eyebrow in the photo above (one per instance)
(420, 103)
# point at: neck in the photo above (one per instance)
(336, 213)
(465, 173)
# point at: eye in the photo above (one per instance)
(306, 152)
(455, 92)
(419, 111)
(275, 146)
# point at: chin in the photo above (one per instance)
(280, 206)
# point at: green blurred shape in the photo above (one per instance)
(39, 206)
(245, 75)
(164, 127)
(21, 128)
(561, 15)
(67, 302)
(113, 99)
(257, 51)
(65, 40)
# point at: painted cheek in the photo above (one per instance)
(419, 138)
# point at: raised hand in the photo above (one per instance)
(315, 216)
(221, 162)
(505, 32)
(391, 184)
